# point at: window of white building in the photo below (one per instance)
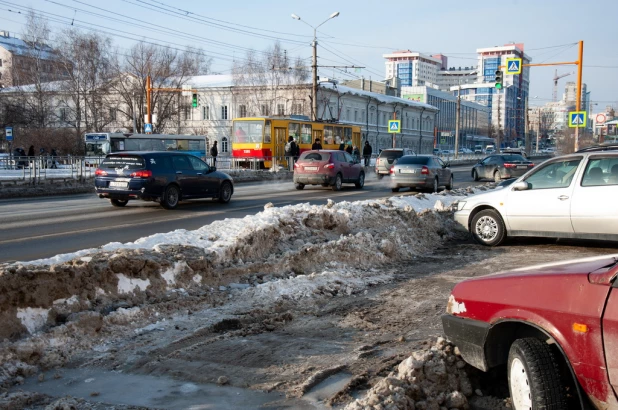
(242, 110)
(224, 145)
(205, 112)
(224, 112)
(280, 109)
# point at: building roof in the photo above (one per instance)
(30, 88)
(18, 46)
(342, 89)
(211, 80)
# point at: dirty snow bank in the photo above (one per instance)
(429, 379)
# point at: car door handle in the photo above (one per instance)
(179, 172)
(199, 174)
(563, 197)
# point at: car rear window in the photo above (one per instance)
(123, 161)
(391, 154)
(514, 157)
(407, 160)
(316, 156)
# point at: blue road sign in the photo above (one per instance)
(394, 126)
(577, 119)
(8, 131)
(147, 128)
(513, 66)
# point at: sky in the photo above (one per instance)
(361, 34)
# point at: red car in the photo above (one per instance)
(328, 168)
(554, 326)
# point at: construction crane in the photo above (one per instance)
(556, 78)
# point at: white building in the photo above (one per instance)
(412, 68)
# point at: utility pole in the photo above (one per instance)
(457, 118)
(499, 137)
(538, 130)
(526, 127)
(314, 64)
(578, 104)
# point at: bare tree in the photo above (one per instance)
(168, 68)
(266, 80)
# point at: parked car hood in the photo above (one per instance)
(487, 197)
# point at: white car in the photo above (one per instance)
(571, 196)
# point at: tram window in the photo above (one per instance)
(183, 145)
(305, 135)
(194, 145)
(294, 131)
(267, 132)
(338, 135)
(170, 145)
(328, 135)
(347, 134)
(157, 145)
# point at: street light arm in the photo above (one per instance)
(332, 16)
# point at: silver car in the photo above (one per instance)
(424, 171)
(389, 157)
(572, 196)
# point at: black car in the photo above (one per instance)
(501, 166)
(165, 177)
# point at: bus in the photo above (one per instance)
(99, 144)
(262, 139)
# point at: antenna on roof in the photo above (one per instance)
(74, 14)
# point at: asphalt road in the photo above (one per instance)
(35, 228)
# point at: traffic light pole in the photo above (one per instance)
(457, 119)
(150, 89)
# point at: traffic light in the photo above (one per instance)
(194, 100)
(499, 79)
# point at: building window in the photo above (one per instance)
(205, 112)
(264, 110)
(280, 109)
(64, 113)
(347, 115)
(242, 110)
(224, 144)
(355, 116)
(112, 114)
(297, 108)
(224, 112)
(371, 118)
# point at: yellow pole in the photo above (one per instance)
(148, 96)
(578, 104)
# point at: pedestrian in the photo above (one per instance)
(31, 151)
(54, 154)
(296, 150)
(356, 154)
(367, 151)
(290, 151)
(342, 147)
(43, 154)
(316, 144)
(213, 153)
(348, 149)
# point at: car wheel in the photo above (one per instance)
(380, 176)
(435, 185)
(338, 182)
(119, 202)
(225, 192)
(171, 197)
(361, 181)
(534, 376)
(497, 177)
(488, 228)
(300, 186)
(395, 189)
(475, 175)
(450, 183)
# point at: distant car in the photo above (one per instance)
(328, 168)
(423, 171)
(478, 149)
(571, 196)
(517, 151)
(436, 151)
(553, 328)
(167, 177)
(466, 151)
(387, 158)
(501, 166)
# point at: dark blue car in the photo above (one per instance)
(165, 177)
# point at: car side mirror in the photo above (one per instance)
(521, 186)
(213, 169)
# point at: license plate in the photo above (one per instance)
(116, 184)
(311, 168)
(522, 166)
(406, 171)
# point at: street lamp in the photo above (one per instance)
(314, 65)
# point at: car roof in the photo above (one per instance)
(149, 153)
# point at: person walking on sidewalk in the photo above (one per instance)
(367, 151)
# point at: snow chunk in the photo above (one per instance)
(128, 285)
(170, 274)
(32, 318)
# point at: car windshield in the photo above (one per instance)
(314, 156)
(512, 158)
(123, 161)
(409, 160)
(391, 154)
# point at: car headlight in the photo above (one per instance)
(461, 205)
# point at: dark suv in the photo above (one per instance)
(328, 168)
(164, 177)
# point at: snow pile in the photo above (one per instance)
(429, 379)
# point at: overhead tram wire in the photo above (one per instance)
(335, 53)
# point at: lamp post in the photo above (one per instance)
(314, 65)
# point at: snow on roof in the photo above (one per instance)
(214, 80)
(380, 97)
(20, 47)
(30, 88)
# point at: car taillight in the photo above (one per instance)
(296, 165)
(141, 174)
(329, 166)
(392, 171)
(425, 170)
(506, 165)
(100, 173)
(530, 165)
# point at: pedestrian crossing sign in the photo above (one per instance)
(577, 119)
(513, 66)
(394, 126)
